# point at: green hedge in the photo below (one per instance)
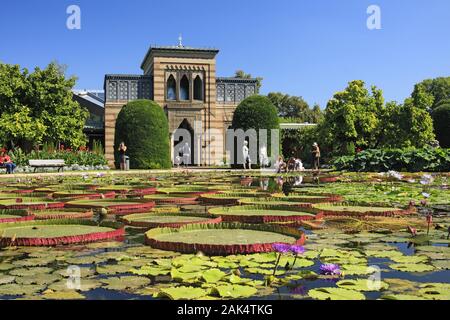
(411, 160)
(441, 121)
(143, 126)
(82, 158)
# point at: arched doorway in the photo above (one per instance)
(185, 133)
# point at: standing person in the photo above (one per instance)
(246, 156)
(316, 156)
(122, 151)
(6, 161)
(186, 154)
(263, 157)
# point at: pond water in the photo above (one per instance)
(364, 248)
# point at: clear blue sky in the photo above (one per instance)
(300, 47)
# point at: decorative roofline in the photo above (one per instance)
(235, 80)
(177, 49)
(126, 77)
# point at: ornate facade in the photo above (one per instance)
(183, 81)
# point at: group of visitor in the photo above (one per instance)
(5, 162)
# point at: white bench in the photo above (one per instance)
(36, 164)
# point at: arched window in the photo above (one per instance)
(198, 89)
(171, 88)
(184, 88)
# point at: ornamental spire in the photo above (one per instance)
(180, 41)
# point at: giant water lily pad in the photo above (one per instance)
(221, 238)
(261, 214)
(335, 294)
(46, 233)
(155, 220)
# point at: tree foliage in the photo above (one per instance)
(143, 126)
(295, 108)
(438, 88)
(242, 75)
(38, 106)
(357, 118)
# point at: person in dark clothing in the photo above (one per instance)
(122, 151)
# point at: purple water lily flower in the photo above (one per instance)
(297, 249)
(330, 269)
(281, 247)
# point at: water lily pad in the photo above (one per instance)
(83, 285)
(357, 269)
(409, 259)
(363, 285)
(15, 289)
(151, 271)
(125, 282)
(189, 277)
(213, 275)
(383, 253)
(412, 267)
(182, 293)
(110, 269)
(63, 295)
(5, 279)
(335, 294)
(404, 297)
(435, 291)
(23, 272)
(234, 291)
(42, 278)
(442, 264)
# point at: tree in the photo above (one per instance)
(51, 97)
(441, 120)
(289, 106)
(439, 88)
(44, 100)
(143, 126)
(242, 75)
(352, 117)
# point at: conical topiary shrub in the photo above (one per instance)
(144, 128)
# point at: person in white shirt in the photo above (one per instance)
(246, 156)
(186, 154)
(263, 157)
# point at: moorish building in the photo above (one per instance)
(183, 81)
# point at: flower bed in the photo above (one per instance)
(58, 232)
(262, 214)
(223, 238)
